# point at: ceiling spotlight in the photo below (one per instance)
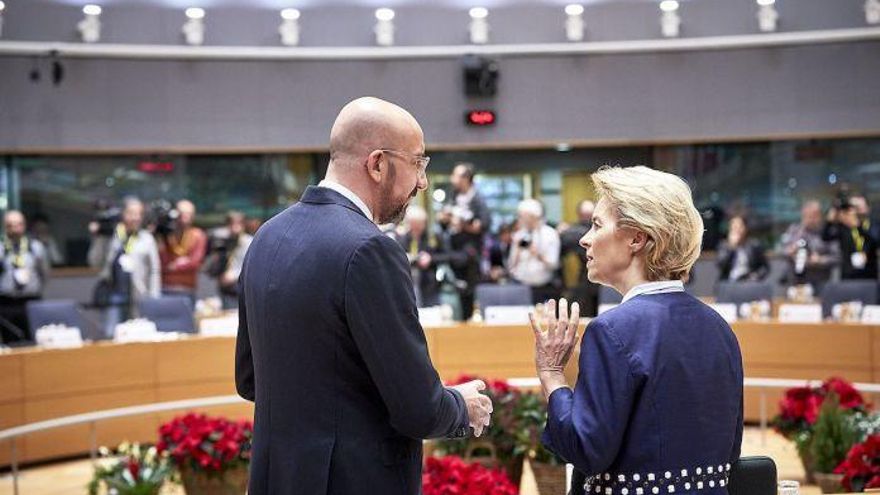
(767, 16)
(872, 11)
(289, 28)
(2, 8)
(479, 27)
(670, 22)
(90, 26)
(574, 22)
(194, 27)
(384, 28)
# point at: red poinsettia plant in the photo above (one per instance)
(205, 443)
(450, 475)
(799, 409)
(861, 468)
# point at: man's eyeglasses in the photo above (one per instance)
(421, 161)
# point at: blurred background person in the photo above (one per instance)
(857, 247)
(741, 258)
(863, 209)
(25, 271)
(228, 246)
(585, 293)
(811, 257)
(534, 255)
(41, 230)
(498, 248)
(181, 252)
(462, 249)
(422, 253)
(131, 267)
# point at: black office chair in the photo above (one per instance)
(55, 312)
(752, 476)
(169, 313)
(502, 295)
(743, 292)
(843, 291)
(607, 295)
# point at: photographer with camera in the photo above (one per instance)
(181, 250)
(130, 268)
(856, 245)
(534, 255)
(23, 275)
(812, 257)
(227, 247)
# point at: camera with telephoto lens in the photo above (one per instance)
(163, 216)
(107, 216)
(220, 246)
(526, 241)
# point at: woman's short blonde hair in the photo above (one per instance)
(660, 205)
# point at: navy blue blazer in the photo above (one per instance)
(659, 390)
(331, 351)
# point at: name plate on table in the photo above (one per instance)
(508, 315)
(224, 326)
(871, 314)
(605, 307)
(800, 313)
(434, 315)
(726, 310)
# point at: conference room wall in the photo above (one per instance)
(699, 96)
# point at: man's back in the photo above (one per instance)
(331, 351)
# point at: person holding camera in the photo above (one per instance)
(228, 245)
(534, 256)
(857, 247)
(811, 256)
(130, 268)
(181, 252)
(23, 275)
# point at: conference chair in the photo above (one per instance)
(843, 291)
(169, 313)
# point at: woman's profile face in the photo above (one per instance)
(608, 246)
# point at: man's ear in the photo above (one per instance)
(376, 165)
(639, 241)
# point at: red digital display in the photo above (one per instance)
(480, 117)
(156, 167)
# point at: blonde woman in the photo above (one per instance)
(657, 407)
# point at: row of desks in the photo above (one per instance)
(36, 384)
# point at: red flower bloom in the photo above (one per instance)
(451, 476)
(206, 443)
(861, 468)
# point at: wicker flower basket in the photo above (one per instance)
(550, 478)
(231, 482)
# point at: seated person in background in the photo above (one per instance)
(24, 271)
(811, 257)
(534, 255)
(858, 249)
(421, 248)
(741, 258)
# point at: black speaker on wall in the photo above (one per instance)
(480, 76)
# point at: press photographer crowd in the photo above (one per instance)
(144, 250)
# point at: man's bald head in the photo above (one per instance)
(367, 124)
(14, 224)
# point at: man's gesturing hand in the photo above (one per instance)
(478, 405)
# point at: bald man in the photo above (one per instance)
(329, 343)
(23, 275)
(182, 252)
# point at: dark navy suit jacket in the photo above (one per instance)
(331, 351)
(659, 389)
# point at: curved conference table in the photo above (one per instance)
(38, 384)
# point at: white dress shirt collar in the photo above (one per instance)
(660, 287)
(349, 195)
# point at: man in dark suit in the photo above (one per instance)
(329, 343)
